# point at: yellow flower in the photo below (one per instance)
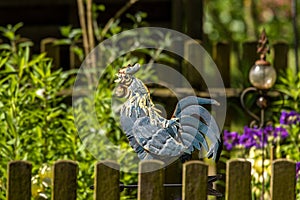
(36, 187)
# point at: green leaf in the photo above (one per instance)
(37, 59)
(63, 42)
(75, 33)
(17, 26)
(101, 7)
(9, 34)
(37, 80)
(5, 47)
(6, 151)
(39, 71)
(25, 44)
(23, 62)
(53, 115)
(10, 123)
(78, 51)
(65, 30)
(3, 61)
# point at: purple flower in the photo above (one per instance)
(298, 170)
(283, 118)
(231, 139)
(268, 133)
(254, 137)
(281, 132)
(248, 138)
(247, 141)
(288, 118)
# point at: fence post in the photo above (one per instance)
(64, 180)
(189, 70)
(19, 180)
(151, 178)
(283, 180)
(59, 53)
(281, 56)
(249, 55)
(47, 46)
(221, 56)
(238, 180)
(194, 180)
(107, 180)
(193, 11)
(177, 15)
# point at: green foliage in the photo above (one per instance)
(72, 38)
(36, 117)
(236, 21)
(224, 21)
(9, 32)
(289, 85)
(36, 121)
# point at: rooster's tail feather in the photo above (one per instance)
(196, 123)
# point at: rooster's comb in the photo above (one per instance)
(130, 69)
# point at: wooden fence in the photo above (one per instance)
(150, 184)
(221, 54)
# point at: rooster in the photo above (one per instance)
(152, 136)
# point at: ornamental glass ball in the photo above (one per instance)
(262, 76)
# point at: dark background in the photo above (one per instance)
(43, 18)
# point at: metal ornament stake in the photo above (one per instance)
(262, 76)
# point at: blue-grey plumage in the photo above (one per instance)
(153, 137)
(201, 112)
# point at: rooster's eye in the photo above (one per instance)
(127, 79)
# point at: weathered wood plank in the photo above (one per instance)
(283, 180)
(281, 56)
(19, 180)
(177, 15)
(194, 70)
(238, 180)
(107, 178)
(151, 177)
(64, 180)
(60, 54)
(221, 56)
(194, 180)
(193, 11)
(249, 55)
(47, 46)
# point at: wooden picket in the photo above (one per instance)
(238, 178)
(106, 184)
(19, 180)
(151, 180)
(194, 180)
(283, 181)
(64, 180)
